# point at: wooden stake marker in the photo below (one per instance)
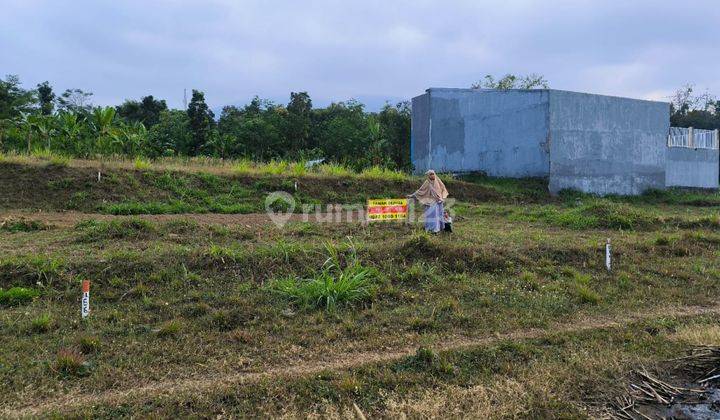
(85, 306)
(608, 256)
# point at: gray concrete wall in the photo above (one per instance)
(697, 168)
(607, 145)
(420, 131)
(502, 133)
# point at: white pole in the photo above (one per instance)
(608, 263)
(85, 306)
(717, 138)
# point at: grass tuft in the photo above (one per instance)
(134, 228)
(70, 363)
(170, 329)
(42, 324)
(89, 344)
(17, 296)
(142, 164)
(332, 286)
(22, 225)
(427, 360)
(586, 294)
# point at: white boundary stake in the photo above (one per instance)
(608, 257)
(85, 306)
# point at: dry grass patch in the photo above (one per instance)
(698, 334)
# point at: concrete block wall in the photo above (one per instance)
(501, 133)
(607, 145)
(696, 168)
(592, 143)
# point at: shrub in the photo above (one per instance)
(332, 286)
(70, 363)
(17, 296)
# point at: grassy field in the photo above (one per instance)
(513, 315)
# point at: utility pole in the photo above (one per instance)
(185, 98)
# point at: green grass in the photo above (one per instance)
(70, 363)
(42, 324)
(93, 230)
(22, 225)
(142, 164)
(183, 300)
(549, 377)
(16, 296)
(334, 285)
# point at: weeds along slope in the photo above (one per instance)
(149, 191)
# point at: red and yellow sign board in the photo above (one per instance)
(387, 209)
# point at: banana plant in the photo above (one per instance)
(44, 125)
(101, 121)
(131, 138)
(70, 129)
(377, 142)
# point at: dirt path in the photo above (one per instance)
(70, 218)
(336, 362)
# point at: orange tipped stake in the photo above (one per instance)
(85, 307)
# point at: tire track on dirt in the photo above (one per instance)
(70, 218)
(343, 361)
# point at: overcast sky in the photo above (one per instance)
(365, 49)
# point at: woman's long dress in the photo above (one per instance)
(434, 221)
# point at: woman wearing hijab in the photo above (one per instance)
(432, 194)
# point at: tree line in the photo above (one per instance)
(68, 123)
(691, 109)
(343, 132)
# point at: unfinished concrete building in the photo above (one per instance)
(592, 143)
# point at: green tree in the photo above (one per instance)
(395, 124)
(511, 81)
(44, 126)
(70, 130)
(46, 97)
(171, 135)
(132, 138)
(15, 102)
(102, 123)
(341, 131)
(75, 100)
(146, 111)
(298, 125)
(691, 110)
(202, 122)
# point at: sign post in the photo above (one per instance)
(387, 209)
(608, 262)
(85, 306)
